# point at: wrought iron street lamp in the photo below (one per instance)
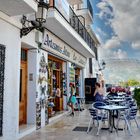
(102, 66)
(40, 18)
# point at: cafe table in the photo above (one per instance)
(111, 109)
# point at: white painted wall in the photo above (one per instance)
(82, 94)
(10, 37)
(94, 69)
(31, 95)
(86, 70)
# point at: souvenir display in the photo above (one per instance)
(38, 115)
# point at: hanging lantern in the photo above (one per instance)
(41, 14)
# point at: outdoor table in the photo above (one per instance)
(118, 101)
(111, 109)
(118, 97)
(121, 93)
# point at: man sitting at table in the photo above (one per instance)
(113, 92)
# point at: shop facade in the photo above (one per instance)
(31, 74)
(65, 66)
(32, 67)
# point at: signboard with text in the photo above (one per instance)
(54, 45)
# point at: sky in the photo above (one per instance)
(117, 26)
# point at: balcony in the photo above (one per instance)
(18, 7)
(64, 23)
(73, 2)
(80, 28)
(86, 11)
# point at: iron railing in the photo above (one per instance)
(80, 28)
(2, 64)
(74, 21)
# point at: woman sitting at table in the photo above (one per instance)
(98, 94)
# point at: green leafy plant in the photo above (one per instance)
(137, 96)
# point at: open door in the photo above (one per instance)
(23, 93)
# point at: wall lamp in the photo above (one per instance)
(40, 18)
(102, 66)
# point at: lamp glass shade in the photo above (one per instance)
(41, 14)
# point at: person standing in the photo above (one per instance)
(72, 99)
(98, 94)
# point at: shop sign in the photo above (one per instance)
(55, 45)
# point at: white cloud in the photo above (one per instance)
(120, 54)
(114, 42)
(111, 54)
(121, 70)
(136, 45)
(125, 22)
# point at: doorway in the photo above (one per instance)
(23, 89)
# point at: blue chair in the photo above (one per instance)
(97, 115)
(132, 115)
(129, 115)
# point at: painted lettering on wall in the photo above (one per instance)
(56, 47)
(74, 56)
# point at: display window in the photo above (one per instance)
(55, 85)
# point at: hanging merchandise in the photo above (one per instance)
(72, 75)
(38, 115)
(64, 83)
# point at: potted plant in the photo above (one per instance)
(137, 96)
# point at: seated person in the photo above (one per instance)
(128, 92)
(112, 93)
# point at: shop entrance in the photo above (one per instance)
(23, 88)
(77, 81)
(55, 79)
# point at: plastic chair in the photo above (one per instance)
(97, 115)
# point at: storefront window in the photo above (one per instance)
(55, 83)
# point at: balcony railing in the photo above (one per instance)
(69, 15)
(80, 28)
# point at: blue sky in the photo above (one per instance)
(117, 26)
(106, 24)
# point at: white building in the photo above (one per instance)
(33, 63)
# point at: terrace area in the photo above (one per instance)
(63, 130)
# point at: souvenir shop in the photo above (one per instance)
(55, 81)
(65, 66)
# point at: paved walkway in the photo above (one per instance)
(62, 130)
